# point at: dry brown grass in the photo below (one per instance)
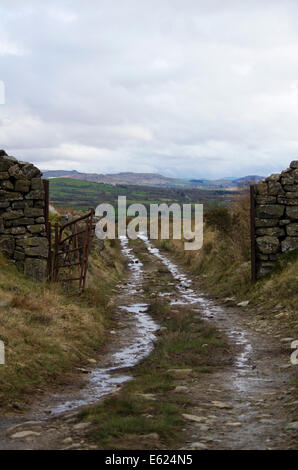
(24, 302)
(45, 332)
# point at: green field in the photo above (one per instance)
(82, 195)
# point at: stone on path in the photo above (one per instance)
(92, 361)
(26, 424)
(181, 389)
(24, 434)
(147, 396)
(286, 340)
(81, 426)
(67, 440)
(198, 446)
(220, 404)
(197, 419)
(244, 303)
(292, 426)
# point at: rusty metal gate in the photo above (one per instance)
(68, 260)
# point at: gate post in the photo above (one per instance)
(46, 187)
(253, 236)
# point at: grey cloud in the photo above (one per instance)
(190, 88)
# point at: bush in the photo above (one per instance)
(220, 219)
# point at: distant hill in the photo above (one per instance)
(226, 183)
(150, 179)
(251, 179)
(153, 179)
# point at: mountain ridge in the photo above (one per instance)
(153, 179)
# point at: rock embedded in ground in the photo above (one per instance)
(244, 303)
(73, 447)
(202, 427)
(220, 404)
(163, 329)
(26, 424)
(196, 419)
(85, 371)
(286, 340)
(81, 426)
(147, 396)
(292, 426)
(198, 446)
(181, 389)
(24, 434)
(67, 440)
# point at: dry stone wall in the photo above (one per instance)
(22, 223)
(276, 217)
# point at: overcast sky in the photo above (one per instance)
(192, 88)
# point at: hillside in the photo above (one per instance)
(150, 179)
(78, 194)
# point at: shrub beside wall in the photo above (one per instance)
(22, 223)
(276, 221)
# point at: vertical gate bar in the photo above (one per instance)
(253, 236)
(90, 223)
(50, 273)
(83, 263)
(56, 249)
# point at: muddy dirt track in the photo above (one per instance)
(246, 404)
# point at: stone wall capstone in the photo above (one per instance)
(276, 217)
(22, 224)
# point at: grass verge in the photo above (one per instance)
(45, 332)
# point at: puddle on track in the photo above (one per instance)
(133, 343)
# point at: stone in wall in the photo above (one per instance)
(276, 217)
(22, 223)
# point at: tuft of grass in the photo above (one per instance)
(26, 303)
(126, 416)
